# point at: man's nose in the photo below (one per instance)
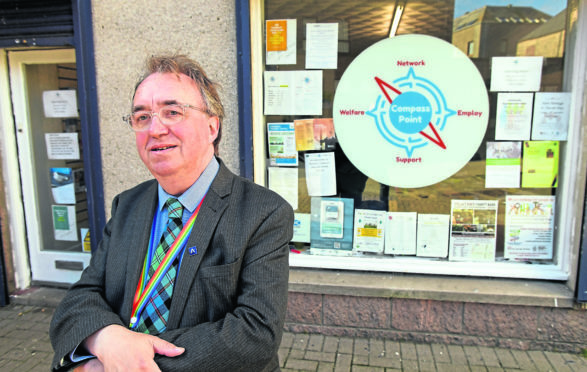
(157, 127)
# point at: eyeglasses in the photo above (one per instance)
(168, 115)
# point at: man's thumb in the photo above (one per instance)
(167, 348)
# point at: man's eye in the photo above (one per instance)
(170, 113)
(140, 117)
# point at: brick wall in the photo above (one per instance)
(461, 323)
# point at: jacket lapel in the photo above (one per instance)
(212, 209)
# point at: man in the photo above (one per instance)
(210, 299)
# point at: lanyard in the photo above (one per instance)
(144, 292)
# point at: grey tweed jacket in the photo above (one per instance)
(229, 299)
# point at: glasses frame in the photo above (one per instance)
(128, 118)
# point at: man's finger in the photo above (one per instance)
(167, 348)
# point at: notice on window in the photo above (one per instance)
(400, 233)
(282, 144)
(284, 181)
(60, 103)
(64, 223)
(321, 45)
(320, 174)
(369, 231)
(331, 227)
(503, 164)
(529, 227)
(516, 74)
(432, 238)
(301, 230)
(86, 242)
(293, 92)
(540, 164)
(62, 185)
(551, 116)
(62, 146)
(514, 116)
(281, 42)
(472, 230)
(315, 134)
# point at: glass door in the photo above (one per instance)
(48, 135)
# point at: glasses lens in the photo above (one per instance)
(171, 114)
(140, 119)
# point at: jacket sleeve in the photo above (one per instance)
(246, 338)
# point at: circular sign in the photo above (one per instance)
(410, 111)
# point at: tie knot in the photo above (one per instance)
(174, 208)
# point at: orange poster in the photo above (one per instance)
(276, 35)
(304, 130)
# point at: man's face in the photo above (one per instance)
(175, 155)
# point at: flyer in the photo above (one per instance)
(293, 92)
(331, 226)
(321, 45)
(551, 116)
(64, 222)
(516, 74)
(473, 230)
(540, 164)
(301, 230)
(400, 233)
(282, 144)
(503, 164)
(62, 146)
(281, 42)
(529, 227)
(60, 103)
(86, 243)
(62, 185)
(315, 134)
(432, 240)
(284, 181)
(320, 173)
(514, 116)
(369, 230)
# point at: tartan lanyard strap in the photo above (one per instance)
(144, 292)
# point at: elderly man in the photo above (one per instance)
(192, 270)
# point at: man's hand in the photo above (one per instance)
(120, 349)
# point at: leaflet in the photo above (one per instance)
(321, 45)
(369, 230)
(473, 226)
(284, 181)
(282, 144)
(540, 164)
(320, 174)
(516, 74)
(529, 227)
(281, 42)
(400, 233)
(514, 116)
(293, 92)
(301, 228)
(503, 164)
(432, 238)
(551, 116)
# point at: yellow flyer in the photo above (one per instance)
(276, 35)
(540, 164)
(304, 130)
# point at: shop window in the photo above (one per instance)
(496, 215)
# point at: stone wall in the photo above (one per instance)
(446, 322)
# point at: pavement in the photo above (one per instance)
(25, 346)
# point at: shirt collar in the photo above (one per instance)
(192, 196)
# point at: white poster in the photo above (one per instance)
(320, 173)
(503, 165)
(516, 74)
(62, 146)
(293, 92)
(473, 230)
(302, 223)
(529, 227)
(60, 103)
(432, 238)
(551, 116)
(284, 181)
(287, 55)
(369, 230)
(282, 144)
(514, 116)
(400, 233)
(321, 45)
(62, 185)
(64, 222)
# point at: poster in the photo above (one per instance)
(282, 144)
(60, 103)
(281, 42)
(529, 227)
(473, 230)
(432, 240)
(516, 74)
(293, 92)
(320, 173)
(503, 164)
(284, 181)
(551, 116)
(331, 226)
(540, 164)
(86, 243)
(62, 185)
(321, 45)
(513, 119)
(301, 230)
(369, 230)
(64, 222)
(315, 134)
(62, 146)
(410, 111)
(400, 233)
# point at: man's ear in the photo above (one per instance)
(213, 126)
